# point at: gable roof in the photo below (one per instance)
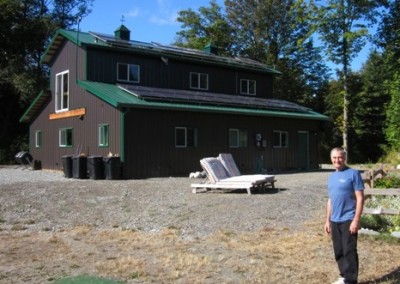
(34, 107)
(138, 97)
(99, 40)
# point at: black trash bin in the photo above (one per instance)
(79, 167)
(112, 167)
(67, 165)
(95, 167)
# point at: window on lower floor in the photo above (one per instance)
(247, 87)
(237, 138)
(103, 135)
(65, 137)
(185, 137)
(280, 139)
(38, 139)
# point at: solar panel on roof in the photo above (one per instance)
(120, 42)
(169, 50)
(185, 96)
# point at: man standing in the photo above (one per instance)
(344, 208)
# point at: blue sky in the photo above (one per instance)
(154, 20)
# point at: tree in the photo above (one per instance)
(25, 29)
(207, 26)
(273, 32)
(389, 39)
(393, 111)
(343, 28)
(369, 110)
(388, 36)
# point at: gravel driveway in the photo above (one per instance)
(45, 200)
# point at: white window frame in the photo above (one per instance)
(132, 71)
(186, 132)
(196, 83)
(62, 95)
(103, 135)
(63, 137)
(246, 83)
(237, 138)
(38, 138)
(283, 137)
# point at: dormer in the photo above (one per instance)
(122, 33)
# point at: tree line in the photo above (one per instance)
(364, 106)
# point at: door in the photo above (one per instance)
(303, 150)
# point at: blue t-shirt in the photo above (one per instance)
(341, 189)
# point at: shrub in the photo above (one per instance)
(389, 181)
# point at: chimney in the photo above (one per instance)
(211, 48)
(122, 33)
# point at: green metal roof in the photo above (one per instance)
(35, 106)
(174, 52)
(119, 98)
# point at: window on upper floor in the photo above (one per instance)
(103, 135)
(280, 139)
(185, 137)
(62, 91)
(38, 139)
(247, 87)
(128, 73)
(65, 137)
(198, 81)
(237, 138)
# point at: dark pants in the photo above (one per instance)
(345, 249)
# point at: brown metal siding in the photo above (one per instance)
(152, 152)
(85, 128)
(102, 67)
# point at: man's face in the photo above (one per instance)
(338, 160)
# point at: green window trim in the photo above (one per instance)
(65, 137)
(103, 135)
(38, 138)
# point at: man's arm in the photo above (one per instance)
(327, 226)
(355, 225)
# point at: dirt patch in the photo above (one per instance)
(157, 231)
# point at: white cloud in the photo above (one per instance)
(132, 13)
(165, 19)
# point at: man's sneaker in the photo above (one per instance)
(339, 281)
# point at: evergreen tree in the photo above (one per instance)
(389, 39)
(369, 111)
(343, 26)
(393, 111)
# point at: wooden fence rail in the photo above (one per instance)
(368, 192)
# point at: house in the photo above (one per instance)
(162, 108)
